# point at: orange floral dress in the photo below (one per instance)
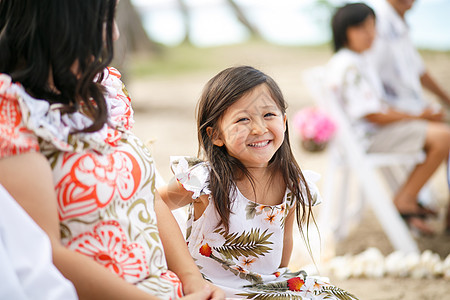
(245, 261)
(104, 181)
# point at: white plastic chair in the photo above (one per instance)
(347, 155)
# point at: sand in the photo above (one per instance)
(164, 114)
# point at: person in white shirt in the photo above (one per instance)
(380, 126)
(26, 268)
(399, 64)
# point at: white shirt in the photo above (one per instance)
(354, 81)
(397, 61)
(26, 268)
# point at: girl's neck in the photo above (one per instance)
(267, 187)
(260, 173)
(356, 51)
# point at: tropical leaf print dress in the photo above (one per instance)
(245, 261)
(104, 181)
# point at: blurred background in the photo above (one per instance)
(207, 23)
(169, 49)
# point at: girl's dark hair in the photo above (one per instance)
(69, 41)
(349, 15)
(219, 94)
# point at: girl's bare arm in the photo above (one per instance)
(178, 257)
(391, 116)
(287, 240)
(175, 195)
(28, 178)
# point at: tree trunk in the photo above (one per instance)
(186, 20)
(254, 32)
(133, 37)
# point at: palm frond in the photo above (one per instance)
(252, 243)
(272, 286)
(333, 291)
(270, 296)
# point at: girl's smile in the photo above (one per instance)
(252, 129)
(259, 144)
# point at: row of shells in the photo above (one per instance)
(373, 264)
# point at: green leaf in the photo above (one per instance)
(247, 244)
(271, 286)
(250, 210)
(270, 296)
(333, 291)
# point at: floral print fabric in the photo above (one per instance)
(104, 181)
(245, 261)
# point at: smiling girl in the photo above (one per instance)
(246, 194)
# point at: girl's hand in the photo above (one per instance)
(204, 294)
(196, 285)
(431, 114)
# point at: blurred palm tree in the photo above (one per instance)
(133, 37)
(185, 14)
(237, 10)
(240, 15)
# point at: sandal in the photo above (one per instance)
(407, 216)
(427, 211)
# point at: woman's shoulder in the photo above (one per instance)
(118, 100)
(27, 123)
(192, 173)
(15, 136)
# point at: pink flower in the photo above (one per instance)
(311, 123)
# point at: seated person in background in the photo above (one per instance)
(379, 126)
(398, 63)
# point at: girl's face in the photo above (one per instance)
(252, 129)
(360, 37)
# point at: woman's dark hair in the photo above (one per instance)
(219, 94)
(349, 15)
(67, 41)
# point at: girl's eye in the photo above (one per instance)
(269, 115)
(242, 120)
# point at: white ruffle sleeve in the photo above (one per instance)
(311, 178)
(62, 130)
(192, 174)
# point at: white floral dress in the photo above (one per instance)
(104, 181)
(245, 261)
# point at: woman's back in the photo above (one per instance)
(103, 182)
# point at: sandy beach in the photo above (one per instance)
(165, 118)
